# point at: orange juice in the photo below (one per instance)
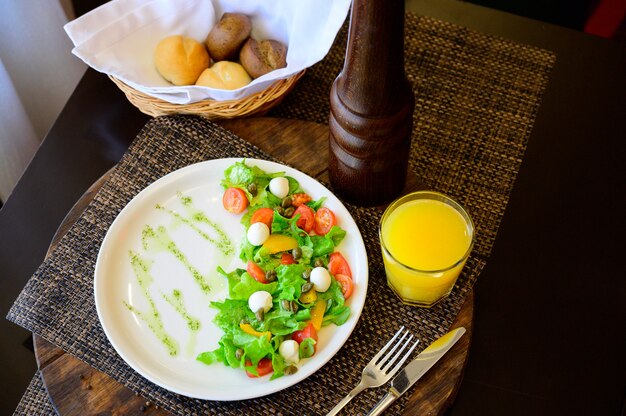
(426, 238)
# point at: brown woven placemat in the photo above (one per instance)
(35, 400)
(476, 101)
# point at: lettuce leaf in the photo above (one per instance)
(338, 313)
(241, 285)
(325, 245)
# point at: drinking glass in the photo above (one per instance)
(426, 238)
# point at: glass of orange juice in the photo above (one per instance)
(425, 239)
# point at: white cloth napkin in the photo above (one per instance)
(119, 38)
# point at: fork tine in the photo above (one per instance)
(383, 349)
(392, 359)
(403, 359)
(389, 354)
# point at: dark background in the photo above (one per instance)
(567, 13)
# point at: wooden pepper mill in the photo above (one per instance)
(371, 107)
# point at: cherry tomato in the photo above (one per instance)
(347, 286)
(287, 258)
(264, 215)
(324, 221)
(307, 218)
(264, 367)
(300, 199)
(256, 272)
(235, 200)
(337, 264)
(308, 332)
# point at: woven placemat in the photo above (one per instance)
(476, 101)
(35, 400)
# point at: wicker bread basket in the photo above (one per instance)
(258, 103)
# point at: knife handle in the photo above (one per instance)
(383, 404)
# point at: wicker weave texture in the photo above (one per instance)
(255, 104)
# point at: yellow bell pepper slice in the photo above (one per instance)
(317, 313)
(308, 297)
(248, 329)
(276, 243)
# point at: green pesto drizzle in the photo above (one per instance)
(152, 317)
(160, 240)
(223, 243)
(185, 200)
(178, 303)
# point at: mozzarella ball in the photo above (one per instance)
(290, 350)
(260, 300)
(279, 187)
(258, 233)
(320, 279)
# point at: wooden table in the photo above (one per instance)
(75, 388)
(550, 307)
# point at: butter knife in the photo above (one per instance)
(417, 368)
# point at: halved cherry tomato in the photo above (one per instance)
(287, 258)
(300, 199)
(307, 218)
(235, 200)
(264, 367)
(256, 272)
(308, 332)
(264, 215)
(324, 221)
(337, 264)
(347, 286)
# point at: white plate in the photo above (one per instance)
(116, 285)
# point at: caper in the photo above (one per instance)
(306, 287)
(270, 275)
(329, 304)
(239, 353)
(306, 274)
(252, 188)
(280, 210)
(296, 253)
(260, 315)
(290, 369)
(289, 212)
(318, 262)
(286, 202)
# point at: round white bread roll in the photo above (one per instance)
(180, 59)
(224, 75)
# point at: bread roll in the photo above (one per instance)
(180, 59)
(224, 75)
(259, 58)
(225, 39)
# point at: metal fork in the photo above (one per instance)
(379, 370)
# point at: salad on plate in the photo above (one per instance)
(295, 280)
